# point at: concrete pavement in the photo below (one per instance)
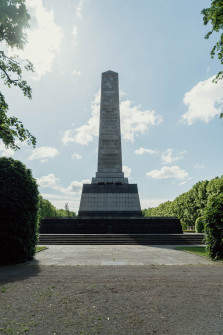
(93, 255)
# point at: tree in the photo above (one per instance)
(213, 218)
(163, 209)
(14, 20)
(46, 209)
(19, 212)
(189, 206)
(214, 15)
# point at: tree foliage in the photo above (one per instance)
(214, 16)
(191, 205)
(14, 20)
(213, 217)
(47, 210)
(164, 209)
(19, 212)
(199, 224)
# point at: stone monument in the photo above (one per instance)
(109, 194)
(110, 205)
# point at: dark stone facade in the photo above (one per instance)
(143, 225)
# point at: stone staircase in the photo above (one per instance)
(121, 239)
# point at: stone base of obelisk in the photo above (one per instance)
(109, 200)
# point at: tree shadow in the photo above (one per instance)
(19, 272)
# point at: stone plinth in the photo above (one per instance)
(109, 200)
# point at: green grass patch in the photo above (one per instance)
(40, 249)
(201, 251)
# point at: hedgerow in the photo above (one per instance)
(213, 217)
(18, 212)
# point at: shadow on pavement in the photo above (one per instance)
(19, 272)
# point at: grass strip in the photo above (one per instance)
(38, 249)
(201, 251)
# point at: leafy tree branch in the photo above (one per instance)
(14, 20)
(214, 16)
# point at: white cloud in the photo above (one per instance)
(48, 181)
(134, 121)
(126, 170)
(79, 9)
(204, 101)
(199, 166)
(74, 32)
(168, 172)
(86, 133)
(4, 151)
(75, 73)
(168, 158)
(43, 153)
(185, 181)
(146, 203)
(76, 156)
(44, 38)
(142, 151)
(75, 186)
(51, 181)
(59, 200)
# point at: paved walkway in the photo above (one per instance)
(115, 255)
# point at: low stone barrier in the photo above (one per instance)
(155, 225)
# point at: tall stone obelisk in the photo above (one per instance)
(109, 194)
(109, 147)
(109, 153)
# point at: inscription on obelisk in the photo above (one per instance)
(109, 153)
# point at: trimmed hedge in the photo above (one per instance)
(199, 225)
(18, 212)
(213, 217)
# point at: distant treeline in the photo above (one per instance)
(47, 210)
(189, 206)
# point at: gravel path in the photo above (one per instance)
(160, 300)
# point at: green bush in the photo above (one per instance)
(18, 207)
(213, 217)
(199, 225)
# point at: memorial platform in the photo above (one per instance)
(110, 205)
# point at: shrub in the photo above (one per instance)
(213, 217)
(199, 225)
(18, 207)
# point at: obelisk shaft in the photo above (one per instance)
(109, 194)
(109, 151)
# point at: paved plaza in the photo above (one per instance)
(103, 255)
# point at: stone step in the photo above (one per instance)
(121, 239)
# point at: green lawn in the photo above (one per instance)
(40, 249)
(201, 251)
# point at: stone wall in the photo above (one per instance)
(111, 226)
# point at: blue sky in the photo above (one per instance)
(171, 131)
